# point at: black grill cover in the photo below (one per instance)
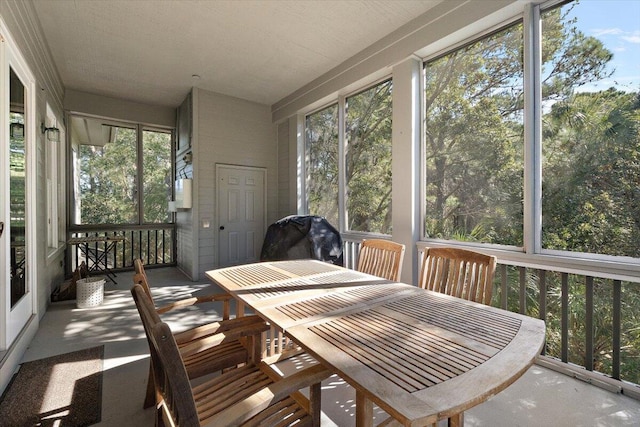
(302, 237)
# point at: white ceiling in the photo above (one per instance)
(262, 51)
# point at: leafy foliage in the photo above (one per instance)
(108, 178)
(322, 163)
(368, 160)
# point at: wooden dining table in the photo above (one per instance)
(419, 355)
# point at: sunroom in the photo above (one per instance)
(506, 127)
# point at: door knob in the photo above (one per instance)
(222, 227)
(1, 228)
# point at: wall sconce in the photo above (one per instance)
(53, 134)
(16, 130)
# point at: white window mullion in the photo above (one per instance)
(298, 165)
(342, 178)
(532, 220)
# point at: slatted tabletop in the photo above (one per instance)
(293, 292)
(419, 355)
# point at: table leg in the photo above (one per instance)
(103, 258)
(364, 410)
(239, 308)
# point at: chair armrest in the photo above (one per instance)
(252, 405)
(214, 340)
(187, 302)
(215, 328)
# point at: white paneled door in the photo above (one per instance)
(241, 213)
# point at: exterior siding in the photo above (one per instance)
(233, 131)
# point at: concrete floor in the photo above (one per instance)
(541, 397)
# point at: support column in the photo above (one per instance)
(406, 137)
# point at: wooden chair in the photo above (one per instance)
(228, 335)
(381, 258)
(458, 272)
(253, 394)
(222, 297)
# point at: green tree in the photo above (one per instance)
(108, 183)
(157, 178)
(322, 163)
(368, 159)
(592, 174)
(474, 127)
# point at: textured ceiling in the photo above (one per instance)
(148, 50)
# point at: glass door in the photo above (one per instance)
(17, 154)
(17, 190)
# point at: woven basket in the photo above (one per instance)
(90, 292)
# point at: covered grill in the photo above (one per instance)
(302, 237)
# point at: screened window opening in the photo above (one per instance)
(591, 129)
(321, 148)
(110, 184)
(368, 159)
(474, 142)
(157, 181)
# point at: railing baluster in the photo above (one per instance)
(564, 352)
(505, 291)
(163, 239)
(588, 359)
(542, 279)
(124, 249)
(617, 290)
(523, 290)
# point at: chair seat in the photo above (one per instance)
(233, 387)
(218, 346)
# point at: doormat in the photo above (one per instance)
(63, 390)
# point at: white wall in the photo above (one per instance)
(232, 131)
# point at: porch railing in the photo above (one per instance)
(591, 320)
(155, 244)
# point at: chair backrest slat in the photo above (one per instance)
(458, 272)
